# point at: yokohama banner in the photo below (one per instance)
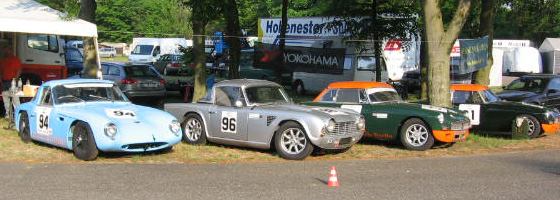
(300, 59)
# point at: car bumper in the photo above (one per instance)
(157, 93)
(139, 143)
(338, 142)
(550, 128)
(451, 135)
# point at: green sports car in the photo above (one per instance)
(388, 117)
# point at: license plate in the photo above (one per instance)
(147, 85)
(344, 141)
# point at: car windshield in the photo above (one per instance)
(266, 95)
(87, 92)
(143, 50)
(141, 71)
(529, 84)
(382, 96)
(489, 96)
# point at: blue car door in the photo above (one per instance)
(41, 121)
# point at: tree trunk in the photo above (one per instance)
(424, 66)
(282, 45)
(439, 43)
(87, 13)
(233, 31)
(198, 27)
(482, 76)
(376, 43)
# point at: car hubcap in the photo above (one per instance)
(530, 126)
(293, 141)
(193, 129)
(80, 140)
(416, 135)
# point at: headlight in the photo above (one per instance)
(331, 126)
(110, 130)
(361, 124)
(175, 127)
(440, 118)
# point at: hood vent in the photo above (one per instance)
(270, 119)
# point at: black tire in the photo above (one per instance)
(534, 126)
(83, 143)
(416, 135)
(291, 142)
(24, 132)
(193, 130)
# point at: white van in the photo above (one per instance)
(148, 50)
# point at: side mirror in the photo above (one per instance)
(238, 104)
(551, 91)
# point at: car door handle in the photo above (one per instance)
(56, 61)
(29, 60)
(212, 112)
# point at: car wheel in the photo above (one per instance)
(291, 142)
(193, 130)
(415, 135)
(83, 143)
(533, 124)
(24, 132)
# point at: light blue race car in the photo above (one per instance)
(90, 115)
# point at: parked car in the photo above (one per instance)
(107, 52)
(134, 80)
(169, 64)
(490, 115)
(259, 114)
(388, 117)
(538, 89)
(90, 115)
(74, 60)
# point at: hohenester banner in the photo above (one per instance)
(300, 59)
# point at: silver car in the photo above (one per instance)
(259, 114)
(136, 81)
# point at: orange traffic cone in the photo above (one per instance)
(333, 178)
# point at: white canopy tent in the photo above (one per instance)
(28, 16)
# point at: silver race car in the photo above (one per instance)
(259, 114)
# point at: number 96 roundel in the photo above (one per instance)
(229, 120)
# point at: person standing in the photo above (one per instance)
(10, 69)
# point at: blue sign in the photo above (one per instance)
(474, 55)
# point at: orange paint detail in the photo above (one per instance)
(352, 85)
(449, 135)
(550, 128)
(469, 87)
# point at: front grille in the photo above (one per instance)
(460, 125)
(344, 128)
(145, 146)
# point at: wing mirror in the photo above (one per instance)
(551, 91)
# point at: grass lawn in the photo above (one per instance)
(13, 150)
